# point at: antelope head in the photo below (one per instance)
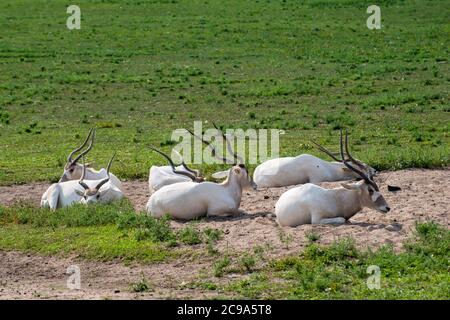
(93, 195)
(72, 169)
(370, 194)
(194, 175)
(238, 168)
(349, 158)
(240, 171)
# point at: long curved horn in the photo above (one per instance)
(69, 158)
(101, 183)
(195, 172)
(359, 172)
(357, 162)
(174, 170)
(81, 182)
(88, 149)
(212, 148)
(362, 175)
(229, 147)
(325, 151)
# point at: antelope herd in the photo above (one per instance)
(183, 193)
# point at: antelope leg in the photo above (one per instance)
(338, 220)
(53, 197)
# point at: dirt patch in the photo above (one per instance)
(424, 197)
(24, 276)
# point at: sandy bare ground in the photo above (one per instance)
(24, 276)
(424, 197)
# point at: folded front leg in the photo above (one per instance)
(223, 212)
(332, 221)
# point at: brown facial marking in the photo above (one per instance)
(90, 192)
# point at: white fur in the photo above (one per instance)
(189, 200)
(63, 194)
(92, 174)
(311, 204)
(161, 176)
(283, 172)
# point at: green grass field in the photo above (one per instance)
(139, 69)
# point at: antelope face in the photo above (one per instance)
(375, 199)
(246, 181)
(92, 196)
(72, 171)
(371, 196)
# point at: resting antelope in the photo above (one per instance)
(73, 170)
(189, 200)
(283, 172)
(63, 194)
(311, 204)
(161, 176)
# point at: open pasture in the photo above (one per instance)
(138, 70)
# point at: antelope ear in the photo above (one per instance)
(350, 186)
(80, 193)
(220, 174)
(353, 186)
(237, 170)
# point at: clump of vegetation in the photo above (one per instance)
(189, 236)
(212, 234)
(211, 237)
(285, 238)
(248, 262)
(108, 124)
(219, 266)
(31, 128)
(147, 227)
(167, 142)
(4, 117)
(141, 286)
(312, 236)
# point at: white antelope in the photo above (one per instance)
(311, 204)
(161, 176)
(73, 170)
(189, 200)
(283, 172)
(63, 194)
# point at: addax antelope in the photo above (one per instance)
(311, 204)
(283, 172)
(63, 194)
(73, 170)
(189, 200)
(161, 176)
